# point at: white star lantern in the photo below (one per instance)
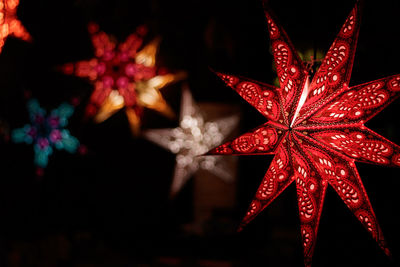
(194, 137)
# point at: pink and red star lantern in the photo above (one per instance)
(316, 131)
(9, 23)
(124, 75)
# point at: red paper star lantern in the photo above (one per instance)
(124, 75)
(9, 23)
(316, 131)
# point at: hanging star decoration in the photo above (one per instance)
(46, 132)
(124, 76)
(316, 131)
(195, 136)
(9, 23)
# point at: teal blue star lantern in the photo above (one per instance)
(46, 132)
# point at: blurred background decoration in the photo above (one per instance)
(9, 23)
(194, 137)
(112, 207)
(124, 75)
(46, 132)
(201, 128)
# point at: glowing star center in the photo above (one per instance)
(116, 69)
(302, 100)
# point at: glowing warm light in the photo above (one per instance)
(124, 77)
(149, 95)
(147, 56)
(316, 131)
(194, 137)
(302, 100)
(46, 132)
(9, 23)
(112, 104)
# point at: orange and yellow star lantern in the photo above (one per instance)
(124, 75)
(9, 23)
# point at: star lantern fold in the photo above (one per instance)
(124, 75)
(316, 131)
(195, 136)
(9, 23)
(46, 132)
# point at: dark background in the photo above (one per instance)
(110, 207)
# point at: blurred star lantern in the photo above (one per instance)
(46, 132)
(194, 137)
(124, 75)
(9, 23)
(316, 131)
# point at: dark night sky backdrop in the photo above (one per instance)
(110, 207)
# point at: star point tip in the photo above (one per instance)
(388, 253)
(212, 69)
(264, 2)
(208, 153)
(172, 194)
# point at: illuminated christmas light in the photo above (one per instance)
(316, 131)
(9, 23)
(194, 137)
(46, 132)
(124, 76)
